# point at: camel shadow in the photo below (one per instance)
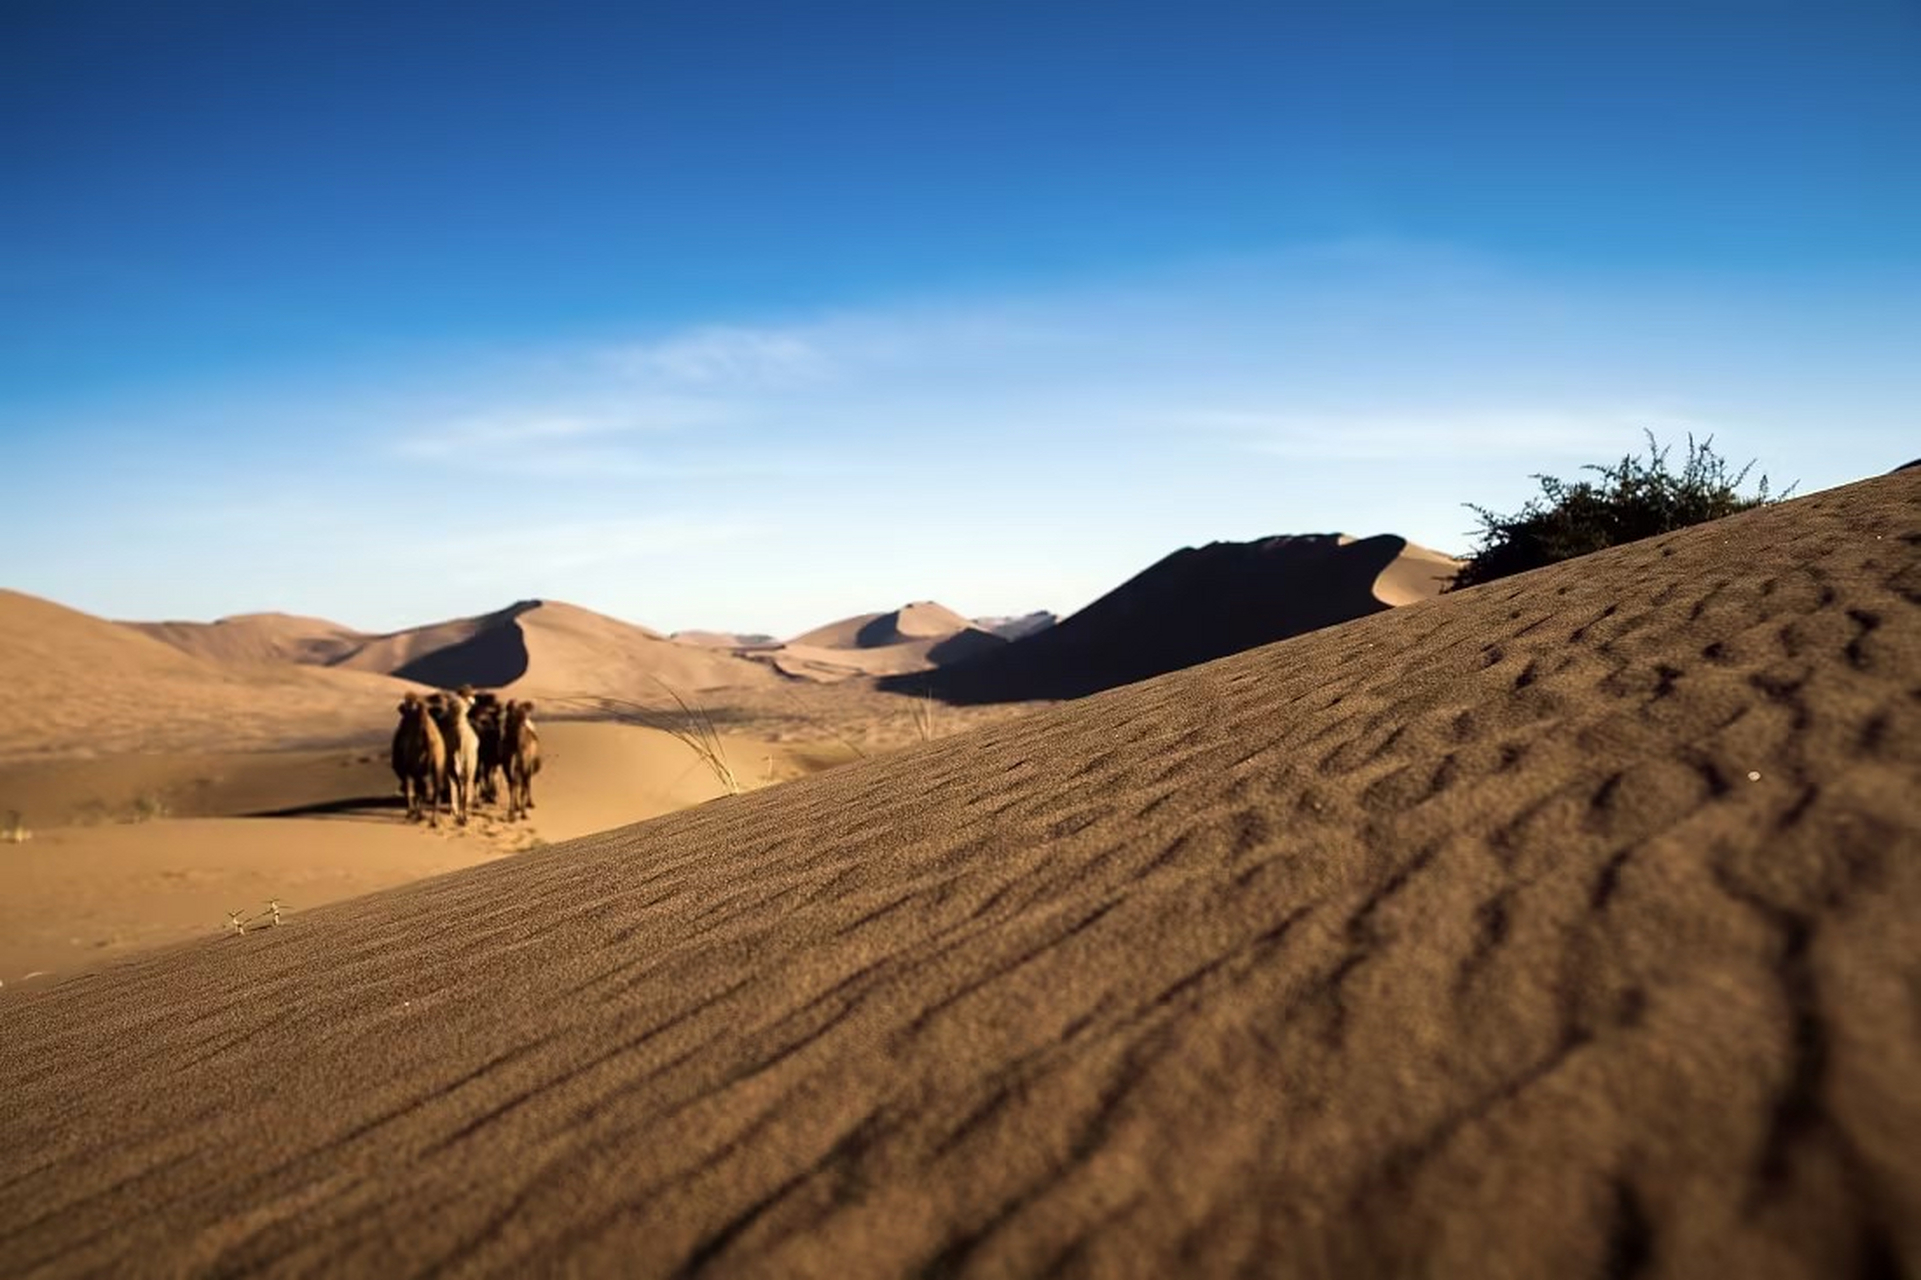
(362, 808)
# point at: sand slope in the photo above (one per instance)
(1566, 926)
(1417, 574)
(1195, 605)
(77, 683)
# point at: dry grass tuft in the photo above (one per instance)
(924, 715)
(238, 923)
(687, 722)
(148, 807)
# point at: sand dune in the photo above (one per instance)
(1415, 575)
(1570, 925)
(258, 637)
(1197, 605)
(80, 684)
(488, 650)
(545, 647)
(922, 620)
(914, 638)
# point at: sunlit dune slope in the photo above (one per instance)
(1568, 926)
(258, 637)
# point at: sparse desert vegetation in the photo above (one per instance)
(1629, 500)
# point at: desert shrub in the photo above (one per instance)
(1633, 499)
(148, 807)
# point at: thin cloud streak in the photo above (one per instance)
(1542, 434)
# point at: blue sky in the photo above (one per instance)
(754, 315)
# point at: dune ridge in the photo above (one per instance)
(1564, 926)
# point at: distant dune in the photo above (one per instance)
(914, 638)
(80, 684)
(1197, 605)
(258, 637)
(1415, 575)
(1565, 926)
(546, 647)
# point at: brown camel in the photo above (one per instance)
(419, 758)
(520, 757)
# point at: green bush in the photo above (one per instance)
(1633, 499)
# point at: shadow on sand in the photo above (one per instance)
(362, 807)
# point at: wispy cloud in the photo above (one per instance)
(726, 357)
(1545, 433)
(514, 428)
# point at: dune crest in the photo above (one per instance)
(1564, 926)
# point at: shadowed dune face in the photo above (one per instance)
(1193, 606)
(495, 656)
(1570, 925)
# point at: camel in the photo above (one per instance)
(463, 749)
(486, 718)
(519, 756)
(419, 758)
